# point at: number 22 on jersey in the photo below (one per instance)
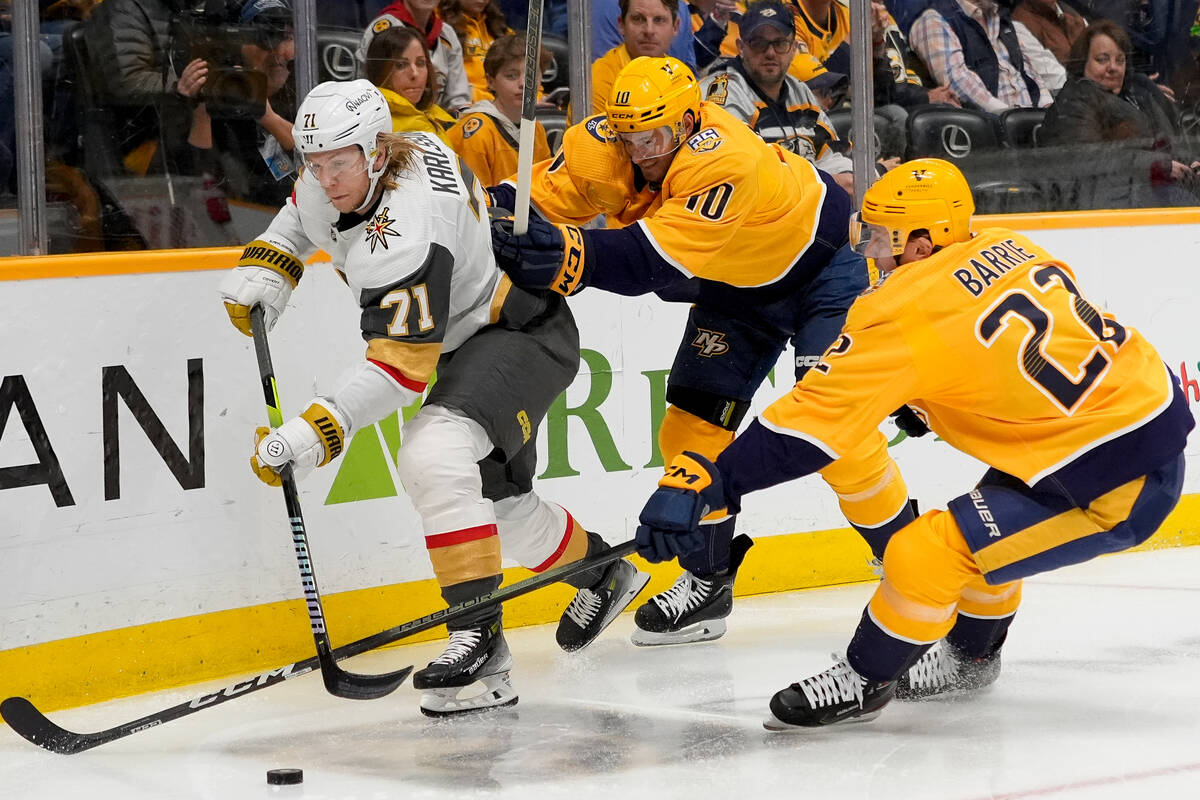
(1065, 344)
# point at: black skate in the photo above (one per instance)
(473, 655)
(694, 609)
(594, 608)
(837, 695)
(944, 669)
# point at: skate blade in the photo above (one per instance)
(704, 631)
(498, 692)
(776, 725)
(639, 582)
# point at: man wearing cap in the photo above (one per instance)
(756, 88)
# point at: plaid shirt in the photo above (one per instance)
(935, 41)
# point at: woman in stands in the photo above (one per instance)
(1103, 101)
(486, 135)
(398, 63)
(478, 24)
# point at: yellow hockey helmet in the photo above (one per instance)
(925, 193)
(649, 93)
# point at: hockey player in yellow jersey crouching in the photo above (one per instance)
(755, 237)
(990, 340)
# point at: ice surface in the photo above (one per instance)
(1098, 698)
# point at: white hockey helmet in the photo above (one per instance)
(338, 114)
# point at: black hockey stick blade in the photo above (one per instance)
(338, 682)
(355, 685)
(32, 725)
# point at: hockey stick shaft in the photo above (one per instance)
(533, 81)
(337, 681)
(34, 726)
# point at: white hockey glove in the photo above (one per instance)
(312, 439)
(264, 275)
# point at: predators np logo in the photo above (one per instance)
(471, 127)
(379, 229)
(710, 343)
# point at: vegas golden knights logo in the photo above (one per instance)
(710, 343)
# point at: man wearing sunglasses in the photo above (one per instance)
(756, 88)
(750, 233)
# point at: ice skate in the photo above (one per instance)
(837, 695)
(594, 608)
(944, 669)
(694, 609)
(473, 656)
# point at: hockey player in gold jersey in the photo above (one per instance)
(991, 341)
(752, 234)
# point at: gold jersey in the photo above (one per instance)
(731, 208)
(489, 145)
(992, 342)
(591, 175)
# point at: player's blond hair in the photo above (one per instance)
(401, 156)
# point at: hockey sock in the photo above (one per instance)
(591, 577)
(877, 655)
(469, 590)
(714, 556)
(979, 637)
(877, 538)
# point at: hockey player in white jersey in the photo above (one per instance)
(405, 226)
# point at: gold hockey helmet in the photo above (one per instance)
(925, 193)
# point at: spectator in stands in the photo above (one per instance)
(756, 88)
(445, 50)
(972, 47)
(711, 30)
(477, 23)
(398, 63)
(822, 26)
(1055, 25)
(898, 82)
(607, 33)
(246, 146)
(647, 27)
(128, 49)
(1047, 66)
(487, 133)
(1103, 102)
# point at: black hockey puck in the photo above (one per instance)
(285, 777)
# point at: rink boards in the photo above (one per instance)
(139, 552)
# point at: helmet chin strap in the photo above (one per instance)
(374, 175)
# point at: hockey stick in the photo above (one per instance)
(24, 717)
(338, 681)
(533, 76)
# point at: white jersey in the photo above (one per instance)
(419, 262)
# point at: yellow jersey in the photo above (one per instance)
(408, 118)
(992, 343)
(604, 74)
(733, 208)
(487, 142)
(821, 37)
(590, 176)
(476, 40)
